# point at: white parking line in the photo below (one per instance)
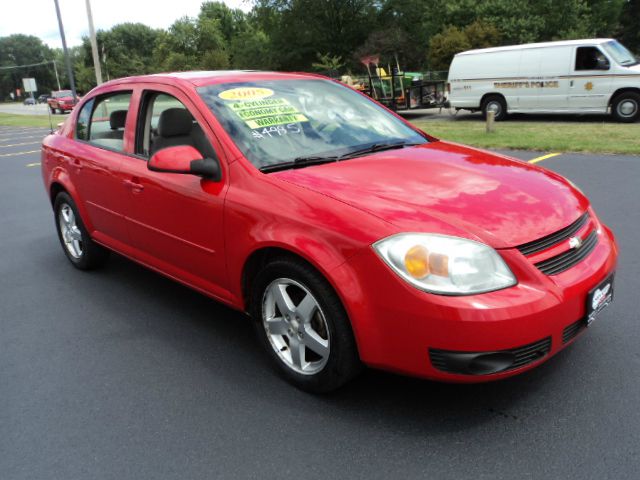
(18, 153)
(20, 144)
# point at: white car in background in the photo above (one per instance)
(592, 76)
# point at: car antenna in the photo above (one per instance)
(50, 121)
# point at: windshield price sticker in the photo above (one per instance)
(265, 112)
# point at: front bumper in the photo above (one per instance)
(396, 326)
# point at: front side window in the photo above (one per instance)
(274, 122)
(108, 119)
(591, 58)
(168, 123)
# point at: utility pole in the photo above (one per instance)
(94, 44)
(66, 54)
(55, 69)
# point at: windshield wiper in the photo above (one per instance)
(299, 162)
(377, 147)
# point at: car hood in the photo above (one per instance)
(441, 187)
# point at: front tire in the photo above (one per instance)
(301, 323)
(626, 107)
(80, 249)
(497, 104)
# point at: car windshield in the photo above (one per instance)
(277, 122)
(62, 93)
(620, 53)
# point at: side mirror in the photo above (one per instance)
(602, 63)
(184, 159)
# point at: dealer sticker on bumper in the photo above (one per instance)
(599, 298)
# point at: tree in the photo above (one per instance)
(445, 45)
(298, 29)
(25, 50)
(630, 33)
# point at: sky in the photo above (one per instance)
(38, 17)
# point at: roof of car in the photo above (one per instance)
(200, 78)
(587, 41)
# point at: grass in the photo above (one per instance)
(12, 120)
(546, 136)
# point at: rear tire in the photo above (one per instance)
(53, 110)
(496, 103)
(626, 107)
(295, 309)
(80, 249)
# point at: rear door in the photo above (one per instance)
(176, 221)
(96, 161)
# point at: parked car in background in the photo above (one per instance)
(349, 235)
(43, 98)
(61, 101)
(595, 76)
(29, 101)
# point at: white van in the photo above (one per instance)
(576, 76)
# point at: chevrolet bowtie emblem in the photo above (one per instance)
(575, 243)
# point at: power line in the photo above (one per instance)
(29, 65)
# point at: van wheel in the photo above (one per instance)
(497, 104)
(302, 325)
(626, 107)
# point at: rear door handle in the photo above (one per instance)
(134, 186)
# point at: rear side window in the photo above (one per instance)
(107, 120)
(82, 127)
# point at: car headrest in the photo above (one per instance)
(174, 122)
(117, 119)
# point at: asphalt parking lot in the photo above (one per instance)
(121, 373)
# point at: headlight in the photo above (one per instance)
(445, 265)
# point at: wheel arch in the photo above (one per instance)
(620, 91)
(60, 183)
(264, 254)
(493, 94)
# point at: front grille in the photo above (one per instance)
(463, 362)
(568, 259)
(572, 330)
(555, 238)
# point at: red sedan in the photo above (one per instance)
(350, 236)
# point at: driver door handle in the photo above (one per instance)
(134, 186)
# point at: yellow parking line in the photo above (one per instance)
(20, 144)
(18, 153)
(36, 164)
(544, 157)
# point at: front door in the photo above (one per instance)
(590, 82)
(175, 221)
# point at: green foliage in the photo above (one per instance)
(288, 34)
(327, 62)
(630, 21)
(25, 50)
(453, 40)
